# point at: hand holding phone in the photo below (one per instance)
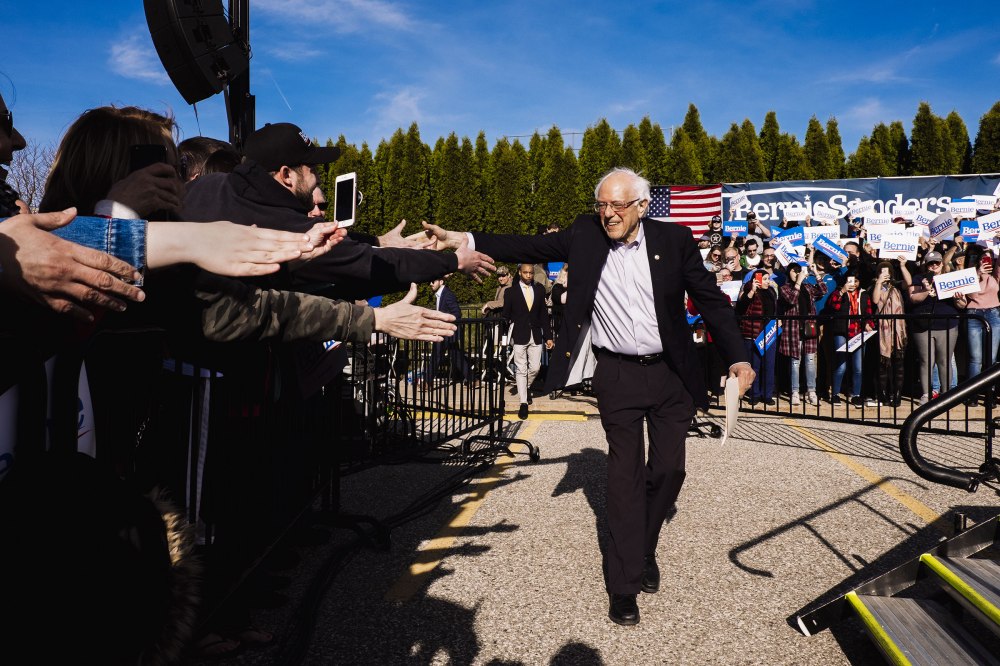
(144, 154)
(345, 199)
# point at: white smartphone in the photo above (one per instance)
(345, 199)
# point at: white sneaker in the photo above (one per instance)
(813, 398)
(796, 400)
(923, 400)
(871, 402)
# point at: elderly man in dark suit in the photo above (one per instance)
(630, 276)
(524, 306)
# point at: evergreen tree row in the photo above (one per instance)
(464, 184)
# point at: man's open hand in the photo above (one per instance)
(406, 321)
(472, 263)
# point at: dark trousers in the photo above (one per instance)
(640, 492)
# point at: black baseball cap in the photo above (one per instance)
(284, 144)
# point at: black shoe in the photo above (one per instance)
(971, 402)
(753, 401)
(529, 399)
(770, 402)
(857, 401)
(835, 400)
(522, 412)
(624, 609)
(650, 575)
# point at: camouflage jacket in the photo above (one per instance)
(233, 310)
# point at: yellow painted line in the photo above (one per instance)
(549, 416)
(431, 553)
(927, 514)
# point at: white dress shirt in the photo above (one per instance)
(624, 319)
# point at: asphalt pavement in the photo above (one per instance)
(506, 568)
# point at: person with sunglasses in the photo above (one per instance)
(713, 260)
(319, 204)
(630, 308)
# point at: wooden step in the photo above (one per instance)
(918, 632)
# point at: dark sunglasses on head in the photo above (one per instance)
(7, 122)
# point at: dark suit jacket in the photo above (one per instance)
(527, 323)
(449, 303)
(675, 266)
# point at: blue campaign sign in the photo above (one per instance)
(767, 337)
(969, 230)
(795, 236)
(739, 226)
(830, 249)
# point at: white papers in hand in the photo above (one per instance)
(732, 407)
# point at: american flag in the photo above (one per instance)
(690, 205)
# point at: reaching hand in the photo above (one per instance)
(323, 236)
(224, 248)
(154, 188)
(472, 263)
(394, 238)
(406, 321)
(448, 240)
(549, 344)
(64, 276)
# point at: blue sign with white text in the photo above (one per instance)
(830, 249)
(739, 227)
(767, 337)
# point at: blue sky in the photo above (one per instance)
(363, 68)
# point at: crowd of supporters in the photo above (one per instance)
(821, 305)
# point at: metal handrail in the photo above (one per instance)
(915, 421)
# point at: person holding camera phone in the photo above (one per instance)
(756, 307)
(273, 188)
(800, 338)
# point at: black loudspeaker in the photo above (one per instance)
(196, 45)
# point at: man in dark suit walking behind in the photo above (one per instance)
(446, 301)
(630, 276)
(524, 306)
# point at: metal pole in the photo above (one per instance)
(241, 102)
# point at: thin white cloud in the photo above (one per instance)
(340, 15)
(626, 107)
(134, 57)
(296, 55)
(865, 115)
(884, 71)
(397, 109)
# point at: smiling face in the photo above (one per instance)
(621, 226)
(10, 142)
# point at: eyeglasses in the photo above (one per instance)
(616, 206)
(322, 205)
(7, 122)
(715, 256)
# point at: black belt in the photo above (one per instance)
(644, 359)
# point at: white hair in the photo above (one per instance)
(639, 184)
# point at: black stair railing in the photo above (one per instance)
(981, 383)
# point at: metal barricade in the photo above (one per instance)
(440, 401)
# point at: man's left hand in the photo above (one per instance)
(745, 374)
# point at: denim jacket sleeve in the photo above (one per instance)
(123, 239)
